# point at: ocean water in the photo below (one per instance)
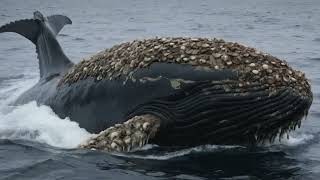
(36, 144)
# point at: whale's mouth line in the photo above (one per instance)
(219, 113)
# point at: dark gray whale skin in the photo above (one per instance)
(200, 110)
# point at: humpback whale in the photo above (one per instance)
(171, 91)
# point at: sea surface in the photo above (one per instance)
(36, 144)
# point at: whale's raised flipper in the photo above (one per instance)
(42, 32)
(57, 22)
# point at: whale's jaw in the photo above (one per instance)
(208, 113)
(218, 113)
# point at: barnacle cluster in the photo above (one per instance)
(252, 65)
(125, 137)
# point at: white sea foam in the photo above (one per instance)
(296, 139)
(35, 123)
(179, 153)
(292, 139)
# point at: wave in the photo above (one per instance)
(291, 140)
(179, 153)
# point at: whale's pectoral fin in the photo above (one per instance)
(57, 22)
(29, 28)
(129, 136)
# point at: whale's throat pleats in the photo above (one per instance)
(52, 60)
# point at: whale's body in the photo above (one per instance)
(196, 105)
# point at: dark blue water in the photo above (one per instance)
(36, 144)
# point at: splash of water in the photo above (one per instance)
(35, 123)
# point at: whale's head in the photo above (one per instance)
(203, 90)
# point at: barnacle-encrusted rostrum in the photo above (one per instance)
(132, 134)
(251, 65)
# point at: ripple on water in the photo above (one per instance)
(79, 39)
(63, 35)
(14, 49)
(315, 59)
(316, 39)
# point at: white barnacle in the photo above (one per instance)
(137, 125)
(252, 64)
(255, 71)
(205, 45)
(147, 59)
(114, 145)
(293, 79)
(217, 55)
(99, 78)
(225, 57)
(192, 57)
(113, 135)
(146, 126)
(91, 142)
(128, 132)
(202, 61)
(265, 66)
(127, 140)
